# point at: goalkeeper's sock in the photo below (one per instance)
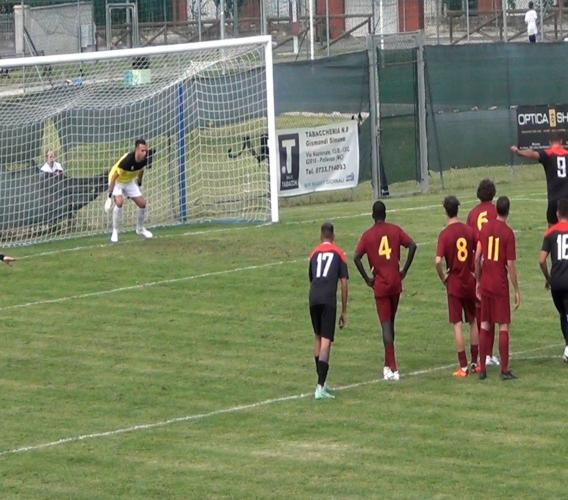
(116, 218)
(140, 218)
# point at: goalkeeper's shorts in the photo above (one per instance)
(129, 189)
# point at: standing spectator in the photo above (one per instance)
(530, 21)
(51, 167)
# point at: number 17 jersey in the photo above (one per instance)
(328, 264)
(556, 244)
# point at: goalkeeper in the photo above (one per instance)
(124, 180)
(6, 259)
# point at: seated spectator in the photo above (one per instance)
(51, 167)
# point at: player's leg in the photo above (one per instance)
(502, 318)
(316, 318)
(327, 334)
(484, 338)
(469, 310)
(136, 196)
(455, 317)
(560, 300)
(387, 307)
(117, 212)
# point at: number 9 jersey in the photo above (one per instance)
(556, 244)
(328, 264)
(553, 161)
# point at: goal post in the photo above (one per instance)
(205, 109)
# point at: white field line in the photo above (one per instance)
(223, 411)
(141, 286)
(244, 228)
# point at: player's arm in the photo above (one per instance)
(344, 295)
(440, 269)
(477, 268)
(361, 268)
(412, 247)
(111, 183)
(139, 179)
(529, 154)
(7, 259)
(544, 266)
(514, 281)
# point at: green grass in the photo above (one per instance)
(189, 347)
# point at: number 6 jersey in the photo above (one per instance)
(556, 244)
(328, 265)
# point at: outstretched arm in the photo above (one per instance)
(529, 154)
(409, 258)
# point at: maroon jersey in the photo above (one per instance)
(456, 244)
(498, 245)
(479, 215)
(553, 161)
(381, 243)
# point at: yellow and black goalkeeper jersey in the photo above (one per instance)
(127, 167)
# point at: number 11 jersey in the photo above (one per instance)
(328, 264)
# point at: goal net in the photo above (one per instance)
(205, 109)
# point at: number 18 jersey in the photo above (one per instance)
(556, 244)
(554, 161)
(328, 264)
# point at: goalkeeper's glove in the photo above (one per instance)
(108, 204)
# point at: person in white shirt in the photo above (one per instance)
(52, 167)
(530, 21)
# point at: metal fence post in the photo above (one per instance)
(422, 115)
(504, 9)
(374, 115)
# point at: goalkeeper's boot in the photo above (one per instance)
(142, 231)
(114, 236)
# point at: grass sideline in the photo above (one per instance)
(218, 338)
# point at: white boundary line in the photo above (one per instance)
(232, 409)
(141, 286)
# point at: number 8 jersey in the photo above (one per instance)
(328, 264)
(556, 244)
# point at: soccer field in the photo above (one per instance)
(181, 367)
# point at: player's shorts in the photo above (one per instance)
(323, 320)
(495, 310)
(551, 216)
(560, 299)
(461, 309)
(387, 307)
(130, 189)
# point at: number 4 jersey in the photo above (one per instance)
(556, 244)
(328, 264)
(381, 243)
(554, 162)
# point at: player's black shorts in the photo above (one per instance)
(323, 320)
(560, 299)
(551, 212)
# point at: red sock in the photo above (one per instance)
(390, 357)
(387, 357)
(504, 350)
(474, 349)
(462, 359)
(491, 340)
(484, 342)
